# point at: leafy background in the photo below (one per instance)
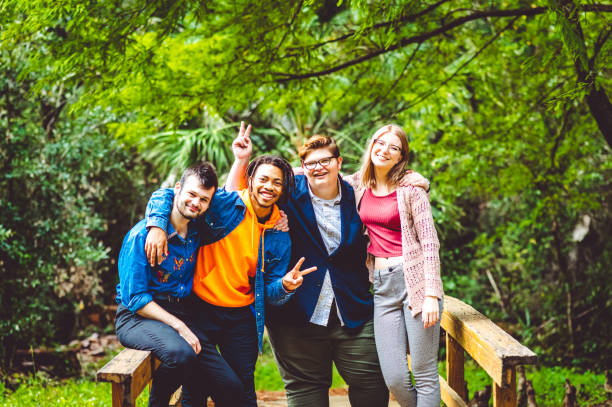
(506, 104)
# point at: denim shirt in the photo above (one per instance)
(139, 283)
(224, 214)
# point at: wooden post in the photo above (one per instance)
(505, 396)
(117, 395)
(454, 367)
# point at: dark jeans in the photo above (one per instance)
(304, 355)
(178, 360)
(234, 332)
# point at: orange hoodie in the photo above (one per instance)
(225, 270)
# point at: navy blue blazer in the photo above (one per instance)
(346, 265)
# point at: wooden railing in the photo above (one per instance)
(491, 347)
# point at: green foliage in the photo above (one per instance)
(550, 385)
(60, 183)
(493, 101)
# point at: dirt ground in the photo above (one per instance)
(337, 398)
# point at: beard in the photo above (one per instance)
(184, 212)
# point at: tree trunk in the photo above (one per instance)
(597, 100)
(601, 109)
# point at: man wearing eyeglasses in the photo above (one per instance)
(330, 318)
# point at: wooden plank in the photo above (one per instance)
(505, 396)
(491, 347)
(450, 396)
(129, 372)
(142, 376)
(454, 367)
(123, 366)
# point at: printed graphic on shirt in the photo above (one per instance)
(161, 276)
(178, 264)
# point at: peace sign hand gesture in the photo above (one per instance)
(241, 146)
(294, 278)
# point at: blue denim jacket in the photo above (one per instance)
(224, 214)
(139, 282)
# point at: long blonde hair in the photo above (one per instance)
(396, 173)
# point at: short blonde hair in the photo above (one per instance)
(316, 142)
(396, 173)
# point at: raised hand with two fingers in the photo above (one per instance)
(242, 146)
(294, 278)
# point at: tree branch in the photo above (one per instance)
(560, 137)
(405, 19)
(297, 11)
(425, 95)
(477, 15)
(395, 83)
(601, 40)
(411, 40)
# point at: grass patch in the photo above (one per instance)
(39, 390)
(548, 383)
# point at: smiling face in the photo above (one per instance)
(192, 199)
(265, 187)
(386, 151)
(319, 175)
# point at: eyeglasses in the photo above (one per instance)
(392, 147)
(311, 165)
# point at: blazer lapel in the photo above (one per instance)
(306, 216)
(347, 206)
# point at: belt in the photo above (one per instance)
(170, 298)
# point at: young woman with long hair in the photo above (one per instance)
(405, 267)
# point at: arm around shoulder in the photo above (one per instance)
(354, 180)
(159, 208)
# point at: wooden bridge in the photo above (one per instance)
(466, 330)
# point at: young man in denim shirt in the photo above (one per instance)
(151, 314)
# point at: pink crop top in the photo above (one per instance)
(381, 216)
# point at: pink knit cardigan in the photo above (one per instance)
(420, 245)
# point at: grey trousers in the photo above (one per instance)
(396, 330)
(304, 357)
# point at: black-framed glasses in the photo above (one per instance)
(324, 162)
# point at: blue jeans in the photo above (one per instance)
(231, 368)
(178, 360)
